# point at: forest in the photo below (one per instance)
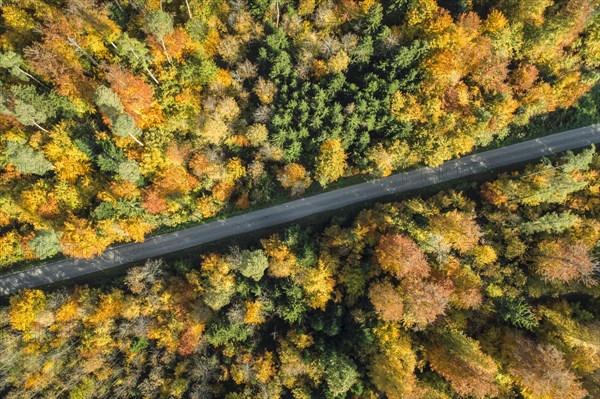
(121, 118)
(488, 292)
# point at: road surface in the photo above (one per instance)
(280, 214)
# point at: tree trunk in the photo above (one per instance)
(73, 43)
(165, 50)
(151, 75)
(41, 128)
(31, 77)
(146, 68)
(136, 139)
(187, 4)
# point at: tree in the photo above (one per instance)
(108, 101)
(129, 170)
(136, 96)
(340, 374)
(400, 256)
(331, 162)
(251, 264)
(45, 244)
(33, 109)
(564, 261)
(26, 159)
(25, 307)
(387, 301)
(392, 366)
(459, 360)
(159, 24)
(425, 301)
(219, 281)
(136, 53)
(540, 369)
(13, 61)
(294, 177)
(122, 124)
(550, 223)
(458, 229)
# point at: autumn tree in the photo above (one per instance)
(392, 367)
(425, 301)
(331, 162)
(563, 261)
(540, 369)
(400, 256)
(387, 301)
(295, 178)
(459, 359)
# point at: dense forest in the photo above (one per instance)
(490, 292)
(120, 117)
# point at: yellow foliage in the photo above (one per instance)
(495, 21)
(67, 312)
(421, 10)
(281, 260)
(24, 308)
(265, 91)
(17, 18)
(331, 163)
(69, 162)
(318, 283)
(207, 206)
(254, 314)
(265, 367)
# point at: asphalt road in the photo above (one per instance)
(252, 221)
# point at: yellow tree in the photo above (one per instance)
(331, 162)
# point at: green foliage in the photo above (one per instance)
(252, 264)
(12, 61)
(340, 374)
(517, 313)
(109, 102)
(85, 389)
(140, 345)
(129, 170)
(124, 125)
(26, 159)
(45, 244)
(158, 23)
(550, 223)
(34, 109)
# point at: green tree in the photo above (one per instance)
(33, 109)
(252, 264)
(12, 62)
(552, 222)
(122, 124)
(159, 24)
(45, 244)
(26, 159)
(129, 170)
(136, 53)
(340, 374)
